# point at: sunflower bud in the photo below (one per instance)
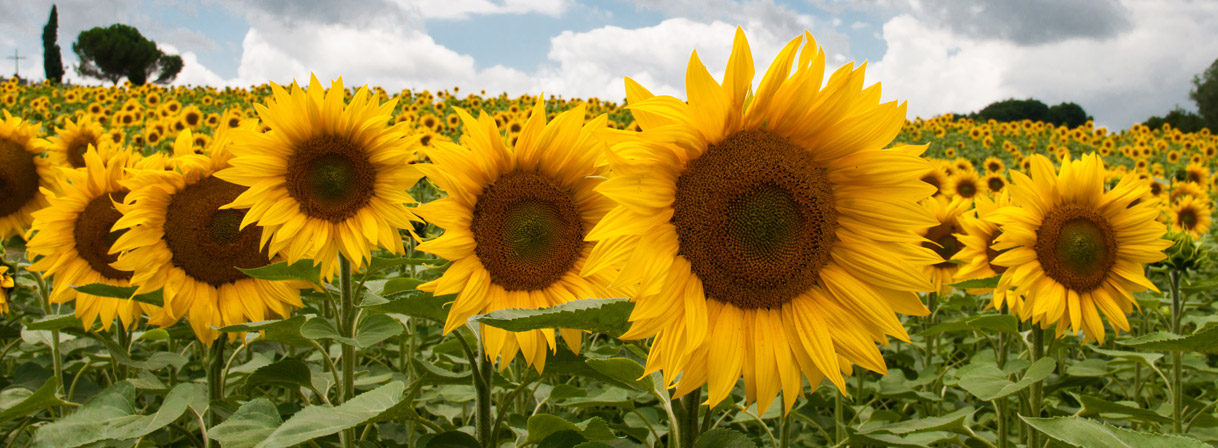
(1184, 254)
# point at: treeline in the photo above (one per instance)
(1064, 114)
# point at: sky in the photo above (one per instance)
(1122, 60)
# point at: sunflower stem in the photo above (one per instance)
(690, 425)
(839, 417)
(346, 326)
(44, 293)
(1177, 310)
(1037, 394)
(785, 438)
(215, 380)
(482, 395)
(1001, 405)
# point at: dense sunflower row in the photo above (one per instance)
(764, 234)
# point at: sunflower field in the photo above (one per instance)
(779, 260)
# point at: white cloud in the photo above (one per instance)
(461, 9)
(193, 73)
(1121, 80)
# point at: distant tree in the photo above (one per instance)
(1015, 110)
(120, 51)
(1205, 94)
(52, 61)
(1178, 118)
(1068, 114)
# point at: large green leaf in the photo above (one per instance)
(724, 438)
(543, 425)
(978, 283)
(286, 331)
(122, 292)
(953, 422)
(376, 328)
(1005, 323)
(989, 383)
(609, 316)
(111, 416)
(382, 263)
(320, 421)
(292, 372)
(1204, 341)
(55, 322)
(393, 286)
(41, 399)
(1097, 406)
(251, 424)
(1088, 433)
(301, 270)
(423, 305)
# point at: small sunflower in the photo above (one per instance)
(68, 147)
(22, 176)
(178, 239)
(6, 285)
(994, 165)
(965, 184)
(328, 178)
(978, 252)
(936, 178)
(514, 224)
(775, 241)
(1190, 215)
(942, 238)
(74, 234)
(994, 183)
(1075, 250)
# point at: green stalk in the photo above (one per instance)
(786, 431)
(1038, 388)
(839, 417)
(690, 425)
(1177, 403)
(346, 327)
(44, 293)
(1001, 407)
(482, 395)
(215, 380)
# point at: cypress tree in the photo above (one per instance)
(52, 63)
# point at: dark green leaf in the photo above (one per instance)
(376, 328)
(609, 316)
(724, 438)
(42, 398)
(978, 283)
(989, 383)
(422, 305)
(1005, 323)
(251, 424)
(55, 322)
(286, 330)
(1083, 432)
(382, 263)
(1204, 341)
(320, 421)
(954, 422)
(627, 371)
(541, 426)
(111, 416)
(1095, 405)
(301, 270)
(121, 292)
(318, 328)
(451, 439)
(289, 371)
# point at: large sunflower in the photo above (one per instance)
(327, 178)
(74, 235)
(177, 238)
(514, 224)
(1190, 215)
(773, 240)
(942, 238)
(68, 147)
(978, 253)
(1074, 250)
(22, 173)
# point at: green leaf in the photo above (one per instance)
(421, 305)
(1083, 432)
(321, 328)
(724, 438)
(286, 331)
(122, 292)
(55, 322)
(376, 328)
(954, 422)
(451, 439)
(301, 270)
(1204, 341)
(320, 421)
(989, 383)
(382, 263)
(609, 316)
(1096, 406)
(978, 283)
(393, 286)
(915, 440)
(293, 372)
(541, 426)
(251, 424)
(1005, 323)
(111, 416)
(42, 398)
(624, 370)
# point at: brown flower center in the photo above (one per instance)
(1076, 246)
(755, 217)
(528, 231)
(944, 242)
(966, 188)
(206, 242)
(996, 184)
(78, 147)
(94, 238)
(991, 254)
(331, 178)
(1187, 218)
(18, 177)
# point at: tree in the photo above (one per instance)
(120, 51)
(1205, 94)
(1178, 118)
(1064, 114)
(52, 61)
(1068, 114)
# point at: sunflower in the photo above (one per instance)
(1190, 215)
(22, 174)
(1075, 250)
(994, 165)
(937, 179)
(68, 147)
(965, 184)
(994, 182)
(73, 236)
(773, 241)
(178, 239)
(6, 285)
(942, 238)
(515, 220)
(327, 178)
(978, 252)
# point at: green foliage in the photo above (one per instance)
(1178, 118)
(1081, 432)
(52, 60)
(119, 51)
(599, 315)
(1205, 94)
(1064, 114)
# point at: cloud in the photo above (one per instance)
(1121, 79)
(461, 9)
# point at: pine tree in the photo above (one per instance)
(52, 62)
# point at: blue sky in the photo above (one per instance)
(1122, 60)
